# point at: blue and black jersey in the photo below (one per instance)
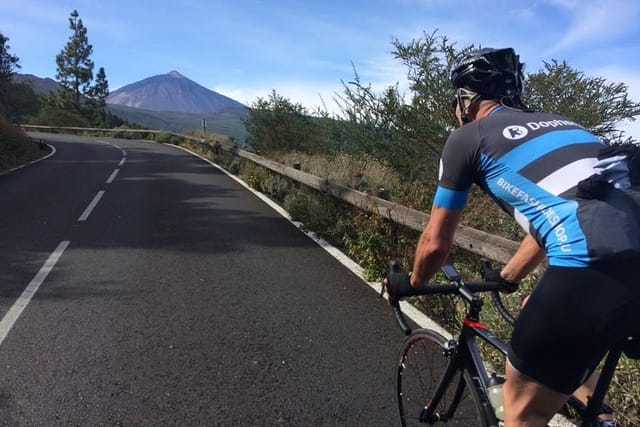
(530, 163)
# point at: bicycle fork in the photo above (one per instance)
(461, 358)
(429, 414)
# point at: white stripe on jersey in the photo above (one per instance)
(568, 176)
(521, 220)
(560, 181)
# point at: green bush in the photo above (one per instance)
(50, 116)
(15, 147)
(167, 138)
(295, 204)
(275, 186)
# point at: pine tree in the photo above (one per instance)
(100, 90)
(97, 97)
(8, 64)
(75, 67)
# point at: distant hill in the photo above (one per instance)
(225, 122)
(172, 92)
(39, 85)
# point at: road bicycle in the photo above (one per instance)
(444, 381)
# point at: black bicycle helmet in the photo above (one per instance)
(490, 73)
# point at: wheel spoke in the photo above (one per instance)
(423, 359)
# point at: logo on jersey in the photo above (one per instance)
(515, 132)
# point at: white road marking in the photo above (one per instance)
(122, 150)
(124, 159)
(91, 206)
(18, 307)
(113, 176)
(53, 151)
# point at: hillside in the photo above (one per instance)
(226, 122)
(172, 92)
(39, 85)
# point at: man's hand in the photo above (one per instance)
(491, 275)
(399, 286)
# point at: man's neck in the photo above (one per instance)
(485, 107)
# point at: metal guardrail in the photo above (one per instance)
(479, 242)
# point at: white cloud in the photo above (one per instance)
(631, 129)
(309, 95)
(596, 21)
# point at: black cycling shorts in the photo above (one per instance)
(573, 317)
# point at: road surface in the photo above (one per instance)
(141, 286)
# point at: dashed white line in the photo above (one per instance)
(124, 159)
(113, 176)
(91, 206)
(17, 308)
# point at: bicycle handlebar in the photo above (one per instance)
(456, 285)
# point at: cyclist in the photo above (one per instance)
(571, 193)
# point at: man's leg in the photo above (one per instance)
(585, 390)
(528, 403)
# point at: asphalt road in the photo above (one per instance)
(161, 292)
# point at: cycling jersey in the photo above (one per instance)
(530, 163)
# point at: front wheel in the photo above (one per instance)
(422, 362)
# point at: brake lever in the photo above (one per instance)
(486, 269)
(394, 267)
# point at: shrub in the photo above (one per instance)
(14, 144)
(275, 186)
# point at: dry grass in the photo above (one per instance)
(362, 173)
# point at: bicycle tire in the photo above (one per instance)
(421, 364)
(502, 308)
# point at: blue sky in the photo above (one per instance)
(246, 48)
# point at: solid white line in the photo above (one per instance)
(16, 309)
(91, 206)
(53, 151)
(113, 176)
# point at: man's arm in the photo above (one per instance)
(434, 244)
(526, 258)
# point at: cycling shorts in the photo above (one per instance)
(572, 318)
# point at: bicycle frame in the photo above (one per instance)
(466, 355)
(589, 413)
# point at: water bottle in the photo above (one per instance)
(494, 390)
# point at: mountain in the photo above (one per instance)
(172, 92)
(167, 102)
(39, 85)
